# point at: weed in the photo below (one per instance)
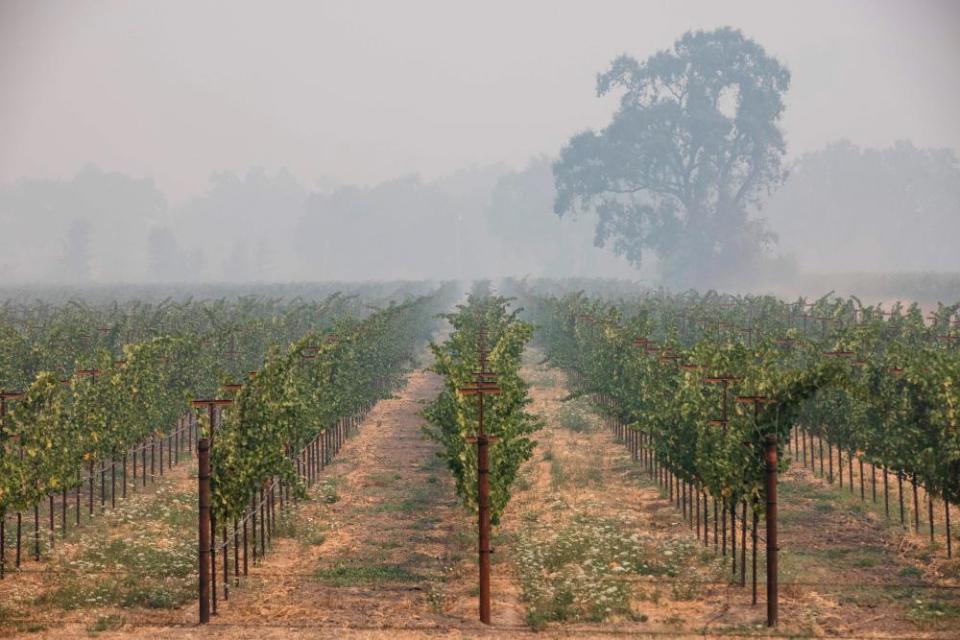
(343, 575)
(686, 586)
(910, 572)
(575, 417)
(416, 500)
(144, 567)
(951, 569)
(558, 475)
(301, 527)
(436, 597)
(522, 483)
(923, 612)
(577, 573)
(327, 491)
(591, 474)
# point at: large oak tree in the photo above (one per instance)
(696, 140)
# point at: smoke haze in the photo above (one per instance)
(189, 141)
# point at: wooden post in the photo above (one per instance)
(771, 491)
(485, 385)
(483, 489)
(754, 559)
(946, 516)
(743, 546)
(203, 454)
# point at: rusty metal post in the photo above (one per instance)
(245, 548)
(946, 517)
(706, 520)
(236, 551)
(820, 445)
(771, 491)
(886, 491)
(754, 558)
(743, 546)
(696, 492)
(916, 504)
(36, 531)
(19, 537)
(263, 524)
(203, 454)
(213, 563)
(733, 536)
(253, 524)
(485, 385)
(4, 397)
(483, 489)
(900, 494)
(226, 566)
(92, 492)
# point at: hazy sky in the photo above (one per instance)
(362, 91)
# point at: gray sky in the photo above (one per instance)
(363, 91)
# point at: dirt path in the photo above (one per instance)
(581, 491)
(384, 527)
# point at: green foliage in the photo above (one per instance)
(99, 379)
(882, 385)
(574, 416)
(293, 399)
(343, 575)
(581, 572)
(454, 417)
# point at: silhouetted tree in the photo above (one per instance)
(167, 260)
(694, 143)
(116, 209)
(851, 209)
(75, 260)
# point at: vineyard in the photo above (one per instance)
(263, 393)
(715, 396)
(413, 459)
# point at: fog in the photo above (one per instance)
(253, 141)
